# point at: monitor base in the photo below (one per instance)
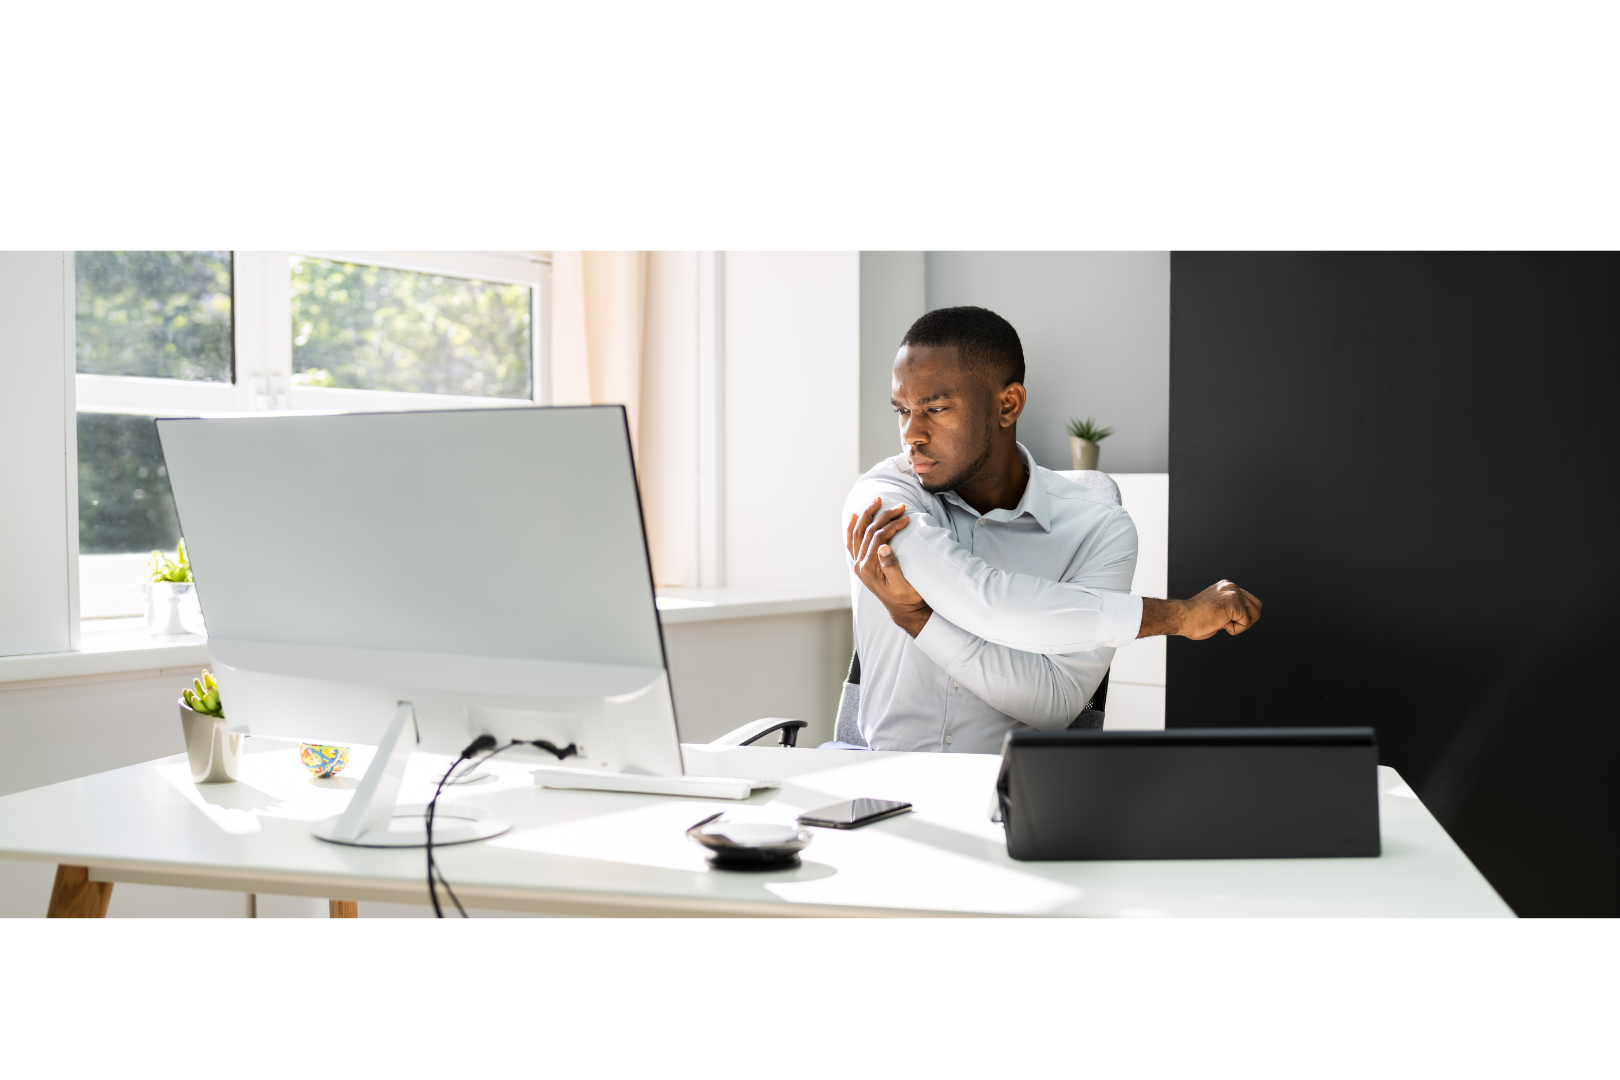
(408, 829)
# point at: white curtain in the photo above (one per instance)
(607, 347)
(598, 330)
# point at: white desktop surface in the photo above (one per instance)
(600, 853)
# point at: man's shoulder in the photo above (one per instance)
(892, 481)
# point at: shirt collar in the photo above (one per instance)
(1035, 502)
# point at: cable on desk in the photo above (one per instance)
(478, 745)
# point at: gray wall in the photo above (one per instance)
(892, 298)
(1096, 334)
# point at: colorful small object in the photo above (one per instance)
(324, 761)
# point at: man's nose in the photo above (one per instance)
(912, 430)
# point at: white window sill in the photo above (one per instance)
(107, 647)
(116, 646)
(706, 605)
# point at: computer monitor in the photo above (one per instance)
(488, 566)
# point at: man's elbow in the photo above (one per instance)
(1054, 714)
(1049, 722)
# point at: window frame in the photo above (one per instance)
(262, 369)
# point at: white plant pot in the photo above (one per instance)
(172, 608)
(213, 750)
(1084, 452)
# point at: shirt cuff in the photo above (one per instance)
(1122, 618)
(943, 642)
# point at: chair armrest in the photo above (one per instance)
(758, 729)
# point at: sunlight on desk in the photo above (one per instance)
(881, 869)
(651, 835)
(275, 784)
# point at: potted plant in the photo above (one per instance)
(213, 750)
(1084, 435)
(170, 590)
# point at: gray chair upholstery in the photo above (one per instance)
(847, 728)
(1100, 482)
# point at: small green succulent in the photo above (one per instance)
(203, 696)
(1087, 429)
(176, 569)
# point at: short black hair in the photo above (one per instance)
(986, 341)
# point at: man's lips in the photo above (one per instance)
(922, 464)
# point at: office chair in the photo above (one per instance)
(846, 727)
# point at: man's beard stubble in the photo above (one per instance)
(961, 476)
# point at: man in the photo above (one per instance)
(1014, 593)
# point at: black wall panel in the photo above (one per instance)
(1410, 459)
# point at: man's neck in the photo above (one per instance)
(1000, 484)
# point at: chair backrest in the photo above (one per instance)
(1100, 482)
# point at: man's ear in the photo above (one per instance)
(1010, 403)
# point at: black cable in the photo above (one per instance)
(483, 742)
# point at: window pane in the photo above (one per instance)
(125, 503)
(162, 314)
(370, 328)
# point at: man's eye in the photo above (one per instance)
(938, 409)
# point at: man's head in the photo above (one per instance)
(958, 391)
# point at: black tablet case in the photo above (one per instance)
(1190, 793)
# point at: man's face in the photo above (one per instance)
(947, 415)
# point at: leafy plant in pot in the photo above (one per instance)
(1084, 435)
(213, 750)
(171, 594)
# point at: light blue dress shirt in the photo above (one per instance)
(1029, 606)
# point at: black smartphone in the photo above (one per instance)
(853, 814)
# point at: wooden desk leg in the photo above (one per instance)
(343, 909)
(75, 896)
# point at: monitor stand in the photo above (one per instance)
(374, 820)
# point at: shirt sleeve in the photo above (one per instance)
(1021, 611)
(1043, 690)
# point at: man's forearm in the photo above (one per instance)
(1162, 617)
(1222, 606)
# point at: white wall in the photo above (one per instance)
(1136, 684)
(730, 672)
(1096, 334)
(792, 415)
(893, 296)
(38, 452)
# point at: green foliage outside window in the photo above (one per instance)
(372, 328)
(125, 503)
(158, 314)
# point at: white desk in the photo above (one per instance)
(597, 853)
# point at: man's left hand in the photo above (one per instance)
(867, 535)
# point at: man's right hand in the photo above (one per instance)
(1222, 606)
(866, 535)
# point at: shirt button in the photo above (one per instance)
(947, 738)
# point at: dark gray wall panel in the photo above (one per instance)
(1409, 458)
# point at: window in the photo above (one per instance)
(177, 333)
(373, 328)
(163, 314)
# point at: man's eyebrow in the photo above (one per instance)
(931, 397)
